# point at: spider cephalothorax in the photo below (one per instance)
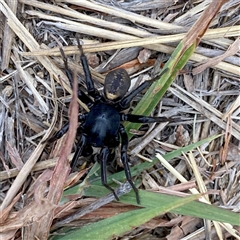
(102, 126)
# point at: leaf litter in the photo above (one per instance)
(35, 95)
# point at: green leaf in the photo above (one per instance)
(117, 225)
(135, 170)
(152, 97)
(138, 169)
(151, 199)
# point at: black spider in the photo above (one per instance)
(101, 127)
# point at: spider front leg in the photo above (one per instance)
(89, 82)
(103, 157)
(124, 158)
(125, 102)
(143, 119)
(81, 95)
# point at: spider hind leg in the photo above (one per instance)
(124, 159)
(103, 157)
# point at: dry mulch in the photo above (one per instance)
(138, 36)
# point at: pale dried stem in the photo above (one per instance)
(8, 37)
(205, 108)
(148, 41)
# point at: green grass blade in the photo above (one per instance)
(151, 199)
(158, 89)
(136, 170)
(117, 225)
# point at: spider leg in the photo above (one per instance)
(103, 156)
(80, 146)
(143, 119)
(64, 129)
(89, 82)
(124, 159)
(81, 95)
(66, 68)
(85, 99)
(125, 102)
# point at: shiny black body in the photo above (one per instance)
(101, 127)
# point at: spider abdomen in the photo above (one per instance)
(101, 126)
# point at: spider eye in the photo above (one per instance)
(117, 83)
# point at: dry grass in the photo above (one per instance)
(35, 96)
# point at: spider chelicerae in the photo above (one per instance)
(102, 126)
